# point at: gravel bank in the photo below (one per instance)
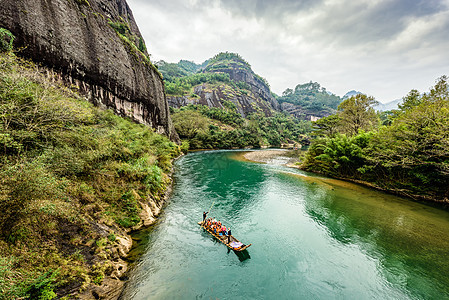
(278, 156)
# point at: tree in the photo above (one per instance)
(414, 150)
(357, 113)
(287, 92)
(327, 126)
(340, 155)
(412, 99)
(189, 123)
(386, 117)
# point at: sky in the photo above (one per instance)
(383, 48)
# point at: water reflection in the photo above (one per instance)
(242, 255)
(410, 241)
(225, 181)
(312, 239)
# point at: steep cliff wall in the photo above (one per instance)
(75, 39)
(225, 77)
(214, 95)
(302, 113)
(259, 88)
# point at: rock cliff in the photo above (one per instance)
(257, 85)
(215, 95)
(302, 113)
(96, 47)
(241, 86)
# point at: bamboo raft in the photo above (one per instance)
(224, 239)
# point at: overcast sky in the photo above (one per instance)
(383, 48)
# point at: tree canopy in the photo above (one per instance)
(311, 96)
(357, 113)
(408, 153)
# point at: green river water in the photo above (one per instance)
(312, 238)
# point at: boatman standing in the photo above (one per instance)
(204, 215)
(229, 235)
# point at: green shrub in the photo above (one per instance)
(6, 40)
(112, 237)
(142, 48)
(42, 287)
(63, 162)
(120, 27)
(129, 210)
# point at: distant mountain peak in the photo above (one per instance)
(350, 94)
(388, 106)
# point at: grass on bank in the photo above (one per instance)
(65, 168)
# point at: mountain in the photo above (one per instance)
(170, 71)
(76, 179)
(222, 103)
(388, 106)
(96, 47)
(309, 101)
(350, 94)
(226, 77)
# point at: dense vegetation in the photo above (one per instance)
(312, 97)
(170, 71)
(407, 152)
(180, 86)
(212, 128)
(225, 60)
(6, 40)
(180, 78)
(65, 168)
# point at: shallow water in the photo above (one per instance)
(312, 238)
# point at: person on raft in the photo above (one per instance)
(229, 235)
(205, 215)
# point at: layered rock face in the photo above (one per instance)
(214, 97)
(302, 114)
(74, 38)
(257, 86)
(247, 90)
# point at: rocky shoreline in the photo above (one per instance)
(112, 285)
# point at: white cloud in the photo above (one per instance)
(384, 48)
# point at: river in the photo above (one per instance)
(312, 238)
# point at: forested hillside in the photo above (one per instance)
(309, 99)
(408, 152)
(225, 77)
(203, 127)
(171, 71)
(74, 180)
(222, 103)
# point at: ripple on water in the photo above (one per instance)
(313, 238)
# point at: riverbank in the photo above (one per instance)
(72, 188)
(113, 284)
(341, 233)
(267, 156)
